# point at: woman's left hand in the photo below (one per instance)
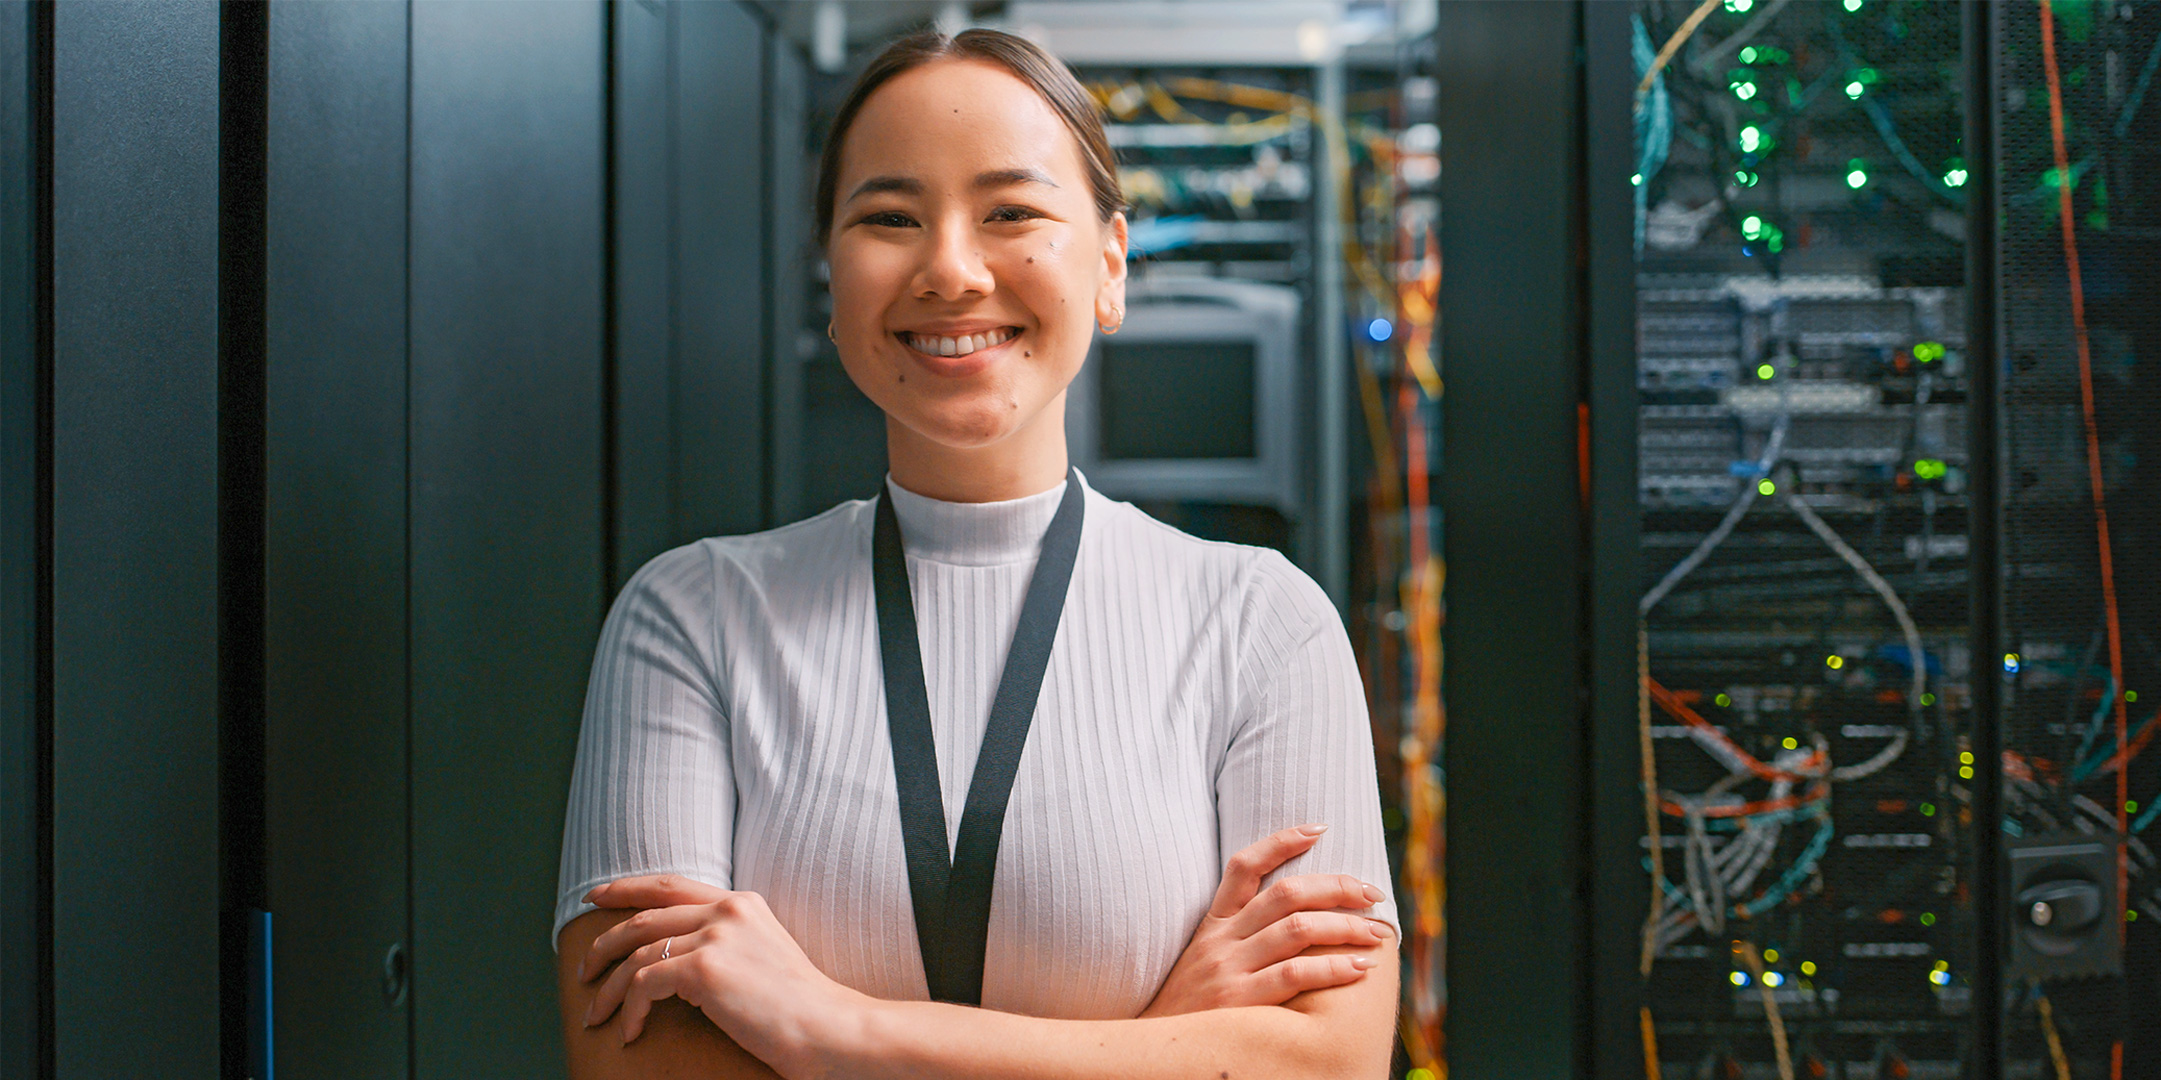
(724, 953)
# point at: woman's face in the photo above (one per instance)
(969, 265)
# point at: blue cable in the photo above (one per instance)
(2145, 79)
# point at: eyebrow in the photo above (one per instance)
(908, 185)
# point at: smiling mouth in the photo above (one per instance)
(960, 345)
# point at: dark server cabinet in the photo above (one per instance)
(517, 302)
(508, 572)
(135, 529)
(336, 524)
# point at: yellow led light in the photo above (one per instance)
(1834, 661)
(1965, 757)
(1808, 967)
(1770, 955)
(1791, 743)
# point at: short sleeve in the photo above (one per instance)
(652, 791)
(1300, 745)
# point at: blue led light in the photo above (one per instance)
(1380, 329)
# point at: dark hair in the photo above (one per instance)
(1025, 60)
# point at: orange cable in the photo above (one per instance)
(2093, 464)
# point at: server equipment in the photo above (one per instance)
(1894, 637)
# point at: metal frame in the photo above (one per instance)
(1984, 366)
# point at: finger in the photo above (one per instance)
(654, 890)
(1279, 983)
(654, 982)
(616, 988)
(1304, 892)
(1301, 930)
(644, 928)
(1242, 874)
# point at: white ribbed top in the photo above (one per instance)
(1199, 696)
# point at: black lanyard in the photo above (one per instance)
(952, 900)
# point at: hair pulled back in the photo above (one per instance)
(1025, 60)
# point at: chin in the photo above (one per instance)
(969, 425)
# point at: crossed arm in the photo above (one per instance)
(735, 999)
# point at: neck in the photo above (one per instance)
(1030, 461)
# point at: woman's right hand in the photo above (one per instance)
(1248, 948)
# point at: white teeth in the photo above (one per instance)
(957, 346)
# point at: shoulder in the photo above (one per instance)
(1265, 596)
(814, 547)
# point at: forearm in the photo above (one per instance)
(1345, 1032)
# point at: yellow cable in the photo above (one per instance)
(2055, 1042)
(1650, 1045)
(1673, 45)
(1748, 952)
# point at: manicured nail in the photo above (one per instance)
(1374, 895)
(1381, 930)
(1313, 830)
(1361, 962)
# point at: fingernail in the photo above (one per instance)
(1361, 962)
(1374, 894)
(1381, 930)
(1313, 830)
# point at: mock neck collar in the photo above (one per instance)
(974, 534)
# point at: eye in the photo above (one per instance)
(1012, 213)
(887, 219)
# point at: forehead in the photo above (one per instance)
(958, 117)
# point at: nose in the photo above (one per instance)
(952, 266)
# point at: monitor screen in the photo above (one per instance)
(1176, 400)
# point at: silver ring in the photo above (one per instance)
(665, 946)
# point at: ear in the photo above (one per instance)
(1111, 297)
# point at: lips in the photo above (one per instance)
(957, 345)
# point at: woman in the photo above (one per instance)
(1096, 709)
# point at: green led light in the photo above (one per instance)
(1744, 178)
(1742, 89)
(2130, 806)
(1765, 371)
(1856, 179)
(1765, 487)
(1749, 54)
(1930, 469)
(1752, 227)
(1928, 918)
(1928, 352)
(1928, 699)
(1740, 7)
(1723, 700)
(1751, 139)
(1854, 89)
(1852, 5)
(2131, 696)
(1928, 809)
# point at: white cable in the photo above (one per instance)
(1718, 535)
(1916, 658)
